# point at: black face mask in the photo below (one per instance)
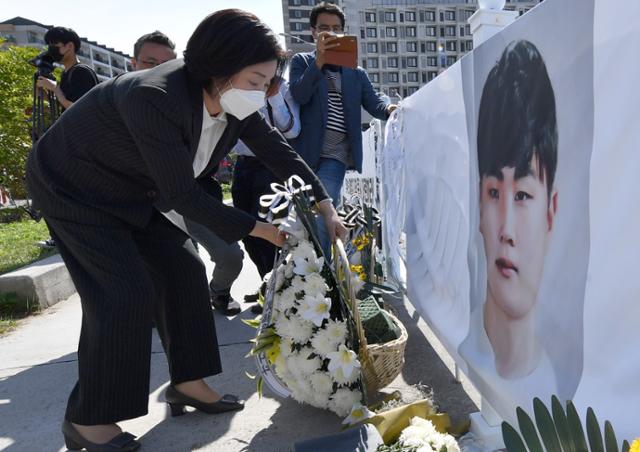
(54, 52)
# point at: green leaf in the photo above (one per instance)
(610, 437)
(253, 323)
(528, 431)
(593, 432)
(575, 427)
(625, 446)
(259, 386)
(547, 430)
(562, 426)
(261, 347)
(511, 438)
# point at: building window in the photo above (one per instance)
(410, 16)
(372, 63)
(412, 77)
(299, 26)
(412, 46)
(412, 90)
(452, 46)
(411, 32)
(451, 60)
(393, 77)
(432, 75)
(461, 31)
(392, 47)
(432, 61)
(431, 46)
(412, 62)
(389, 16)
(450, 30)
(431, 31)
(391, 32)
(430, 16)
(392, 62)
(450, 15)
(372, 47)
(466, 14)
(369, 17)
(375, 77)
(462, 47)
(295, 2)
(299, 13)
(469, 45)
(372, 33)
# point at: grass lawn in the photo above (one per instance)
(19, 247)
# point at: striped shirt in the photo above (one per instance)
(336, 145)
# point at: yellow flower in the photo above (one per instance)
(274, 351)
(635, 446)
(362, 241)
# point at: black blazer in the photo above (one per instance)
(127, 147)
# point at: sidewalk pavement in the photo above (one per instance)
(38, 369)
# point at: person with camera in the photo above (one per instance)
(77, 78)
(149, 142)
(330, 98)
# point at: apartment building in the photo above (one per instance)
(106, 61)
(403, 44)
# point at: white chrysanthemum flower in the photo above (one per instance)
(300, 329)
(337, 331)
(307, 364)
(343, 400)
(315, 308)
(283, 326)
(425, 425)
(358, 413)
(319, 400)
(302, 393)
(413, 436)
(323, 343)
(344, 380)
(321, 383)
(315, 284)
(344, 359)
(285, 300)
(304, 250)
(450, 443)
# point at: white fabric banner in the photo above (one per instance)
(513, 176)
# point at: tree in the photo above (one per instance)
(16, 98)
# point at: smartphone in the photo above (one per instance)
(346, 54)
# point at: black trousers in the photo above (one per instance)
(251, 179)
(125, 277)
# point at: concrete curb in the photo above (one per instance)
(46, 281)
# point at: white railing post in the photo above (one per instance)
(489, 19)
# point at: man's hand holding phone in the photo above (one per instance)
(326, 41)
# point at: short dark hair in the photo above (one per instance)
(63, 35)
(325, 8)
(226, 42)
(517, 117)
(156, 37)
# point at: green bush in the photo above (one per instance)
(16, 85)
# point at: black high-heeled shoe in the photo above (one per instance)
(125, 441)
(177, 401)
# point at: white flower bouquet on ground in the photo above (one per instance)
(306, 346)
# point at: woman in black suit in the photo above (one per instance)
(136, 145)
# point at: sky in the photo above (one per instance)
(119, 23)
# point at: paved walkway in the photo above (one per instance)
(38, 369)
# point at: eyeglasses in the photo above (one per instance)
(335, 29)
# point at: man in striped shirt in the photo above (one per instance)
(330, 99)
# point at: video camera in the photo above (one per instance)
(44, 64)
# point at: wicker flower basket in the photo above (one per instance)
(381, 363)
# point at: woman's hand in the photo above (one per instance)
(335, 228)
(269, 232)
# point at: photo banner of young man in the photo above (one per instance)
(521, 210)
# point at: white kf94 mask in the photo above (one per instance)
(241, 102)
